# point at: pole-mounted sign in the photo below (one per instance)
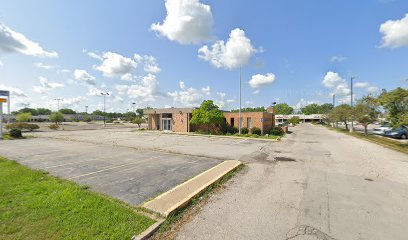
(4, 93)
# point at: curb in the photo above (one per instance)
(154, 205)
(149, 232)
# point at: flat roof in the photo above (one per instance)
(168, 110)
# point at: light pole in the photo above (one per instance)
(240, 98)
(104, 94)
(58, 103)
(133, 105)
(86, 109)
(351, 102)
(334, 97)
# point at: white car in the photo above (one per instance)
(382, 129)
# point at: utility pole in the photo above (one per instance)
(240, 98)
(133, 104)
(334, 101)
(58, 103)
(351, 102)
(104, 94)
(86, 109)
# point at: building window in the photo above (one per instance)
(249, 122)
(232, 122)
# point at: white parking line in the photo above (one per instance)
(110, 168)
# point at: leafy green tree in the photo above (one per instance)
(98, 112)
(28, 110)
(23, 117)
(43, 111)
(56, 117)
(395, 103)
(283, 109)
(67, 111)
(403, 120)
(138, 121)
(311, 109)
(87, 119)
(366, 111)
(341, 113)
(139, 112)
(325, 108)
(207, 114)
(294, 120)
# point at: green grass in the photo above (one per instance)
(34, 205)
(383, 141)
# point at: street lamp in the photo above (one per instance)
(240, 97)
(58, 103)
(351, 102)
(104, 94)
(86, 109)
(133, 104)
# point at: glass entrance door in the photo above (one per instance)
(167, 126)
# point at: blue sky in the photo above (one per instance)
(179, 52)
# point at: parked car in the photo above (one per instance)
(399, 132)
(382, 129)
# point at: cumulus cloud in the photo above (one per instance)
(44, 66)
(92, 54)
(302, 103)
(260, 80)
(151, 65)
(84, 76)
(72, 102)
(187, 21)
(94, 91)
(18, 97)
(1, 64)
(189, 97)
(11, 42)
(372, 89)
(147, 90)
(222, 101)
(236, 52)
(46, 86)
(127, 77)
(114, 64)
(336, 83)
(395, 33)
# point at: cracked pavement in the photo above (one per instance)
(326, 186)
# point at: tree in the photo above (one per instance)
(294, 120)
(23, 117)
(57, 117)
(138, 121)
(341, 113)
(28, 110)
(139, 112)
(98, 112)
(67, 111)
(395, 103)
(249, 109)
(43, 111)
(283, 109)
(403, 120)
(311, 109)
(325, 108)
(207, 114)
(366, 111)
(87, 119)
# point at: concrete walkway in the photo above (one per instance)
(176, 198)
(316, 184)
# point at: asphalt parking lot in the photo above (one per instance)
(129, 174)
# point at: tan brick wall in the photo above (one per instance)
(154, 119)
(180, 122)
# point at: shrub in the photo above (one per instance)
(254, 135)
(23, 117)
(56, 117)
(87, 119)
(233, 130)
(23, 126)
(54, 126)
(276, 131)
(244, 130)
(15, 133)
(256, 131)
(109, 121)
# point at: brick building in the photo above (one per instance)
(178, 119)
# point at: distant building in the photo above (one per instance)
(303, 118)
(67, 118)
(178, 119)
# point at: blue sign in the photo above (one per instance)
(262, 119)
(4, 93)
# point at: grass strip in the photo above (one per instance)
(34, 205)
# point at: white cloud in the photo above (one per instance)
(18, 97)
(187, 21)
(92, 54)
(337, 59)
(127, 77)
(151, 65)
(260, 80)
(11, 41)
(84, 76)
(44, 66)
(188, 97)
(1, 64)
(46, 86)
(372, 89)
(395, 33)
(114, 64)
(236, 52)
(302, 103)
(14, 92)
(336, 83)
(146, 91)
(94, 91)
(361, 84)
(222, 101)
(121, 89)
(72, 102)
